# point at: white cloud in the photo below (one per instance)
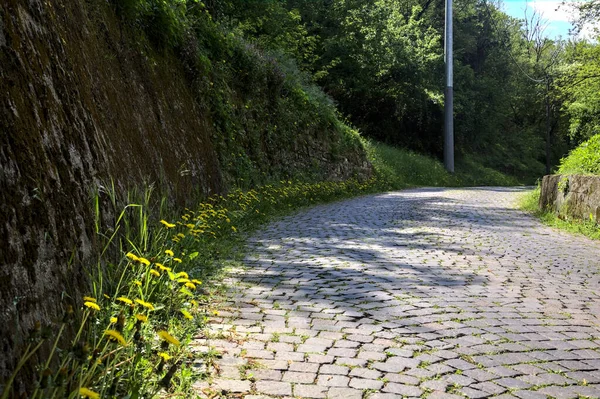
(550, 10)
(555, 15)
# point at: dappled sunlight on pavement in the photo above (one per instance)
(438, 293)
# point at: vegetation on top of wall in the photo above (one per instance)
(584, 159)
(380, 61)
(268, 116)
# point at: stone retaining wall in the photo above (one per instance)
(86, 104)
(575, 196)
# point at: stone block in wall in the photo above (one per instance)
(574, 196)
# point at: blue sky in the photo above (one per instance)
(555, 15)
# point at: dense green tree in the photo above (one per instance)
(580, 88)
(520, 98)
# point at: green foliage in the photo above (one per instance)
(579, 85)
(164, 21)
(587, 12)
(262, 107)
(584, 159)
(383, 68)
(403, 168)
(470, 172)
(381, 62)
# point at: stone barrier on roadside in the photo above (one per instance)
(574, 196)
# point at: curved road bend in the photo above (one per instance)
(436, 293)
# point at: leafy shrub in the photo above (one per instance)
(584, 159)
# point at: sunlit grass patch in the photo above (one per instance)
(398, 168)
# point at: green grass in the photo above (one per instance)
(529, 202)
(399, 168)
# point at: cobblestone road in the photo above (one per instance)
(436, 293)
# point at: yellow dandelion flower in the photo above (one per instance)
(169, 252)
(197, 282)
(113, 320)
(154, 273)
(190, 226)
(92, 305)
(183, 280)
(190, 286)
(163, 267)
(132, 257)
(89, 299)
(186, 314)
(145, 304)
(88, 393)
(216, 313)
(168, 337)
(182, 275)
(116, 336)
(138, 283)
(125, 300)
(144, 261)
(141, 317)
(194, 302)
(181, 235)
(177, 260)
(166, 357)
(167, 224)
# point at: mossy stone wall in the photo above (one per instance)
(576, 196)
(83, 102)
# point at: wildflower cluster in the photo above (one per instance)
(128, 340)
(224, 216)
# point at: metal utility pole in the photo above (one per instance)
(548, 128)
(448, 94)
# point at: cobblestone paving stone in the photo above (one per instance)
(436, 293)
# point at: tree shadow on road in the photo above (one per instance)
(405, 245)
